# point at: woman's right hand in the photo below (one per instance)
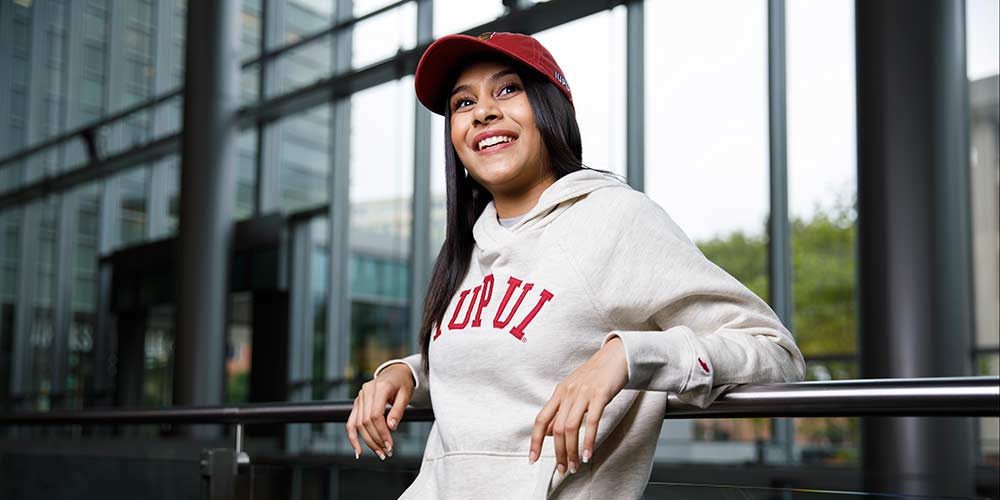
(394, 383)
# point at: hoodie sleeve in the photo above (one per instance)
(687, 326)
(421, 397)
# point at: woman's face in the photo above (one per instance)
(493, 129)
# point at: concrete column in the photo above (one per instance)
(913, 234)
(208, 163)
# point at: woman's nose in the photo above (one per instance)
(487, 111)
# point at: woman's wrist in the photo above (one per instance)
(404, 371)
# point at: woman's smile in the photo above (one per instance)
(492, 141)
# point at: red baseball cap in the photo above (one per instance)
(440, 61)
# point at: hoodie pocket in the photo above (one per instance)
(466, 475)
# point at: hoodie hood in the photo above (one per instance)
(555, 200)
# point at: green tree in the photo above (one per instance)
(823, 275)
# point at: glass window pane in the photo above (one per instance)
(133, 205)
(439, 201)
(246, 175)
(304, 65)
(455, 16)
(983, 68)
(10, 257)
(303, 17)
(822, 173)
(381, 194)
(379, 37)
(250, 26)
(362, 7)
(707, 164)
(591, 53)
(305, 158)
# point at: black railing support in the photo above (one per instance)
(218, 474)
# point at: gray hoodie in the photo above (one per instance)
(592, 260)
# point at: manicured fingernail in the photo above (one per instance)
(572, 467)
(532, 456)
(586, 456)
(357, 454)
(381, 455)
(392, 423)
(562, 468)
(388, 448)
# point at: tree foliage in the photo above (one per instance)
(823, 276)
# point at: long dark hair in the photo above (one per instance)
(466, 198)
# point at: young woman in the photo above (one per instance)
(562, 303)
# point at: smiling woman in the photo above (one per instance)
(563, 306)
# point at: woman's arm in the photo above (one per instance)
(687, 326)
(679, 324)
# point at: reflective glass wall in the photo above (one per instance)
(341, 166)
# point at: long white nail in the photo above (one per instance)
(586, 456)
(381, 455)
(356, 454)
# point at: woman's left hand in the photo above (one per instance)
(585, 391)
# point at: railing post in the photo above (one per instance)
(218, 474)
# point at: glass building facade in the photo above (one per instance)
(90, 117)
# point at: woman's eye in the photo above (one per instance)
(509, 88)
(462, 103)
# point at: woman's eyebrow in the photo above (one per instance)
(496, 76)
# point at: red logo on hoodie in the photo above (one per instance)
(481, 296)
(704, 365)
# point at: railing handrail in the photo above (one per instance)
(946, 396)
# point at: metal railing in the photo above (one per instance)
(221, 468)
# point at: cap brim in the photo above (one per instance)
(439, 63)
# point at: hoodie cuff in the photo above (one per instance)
(413, 371)
(661, 360)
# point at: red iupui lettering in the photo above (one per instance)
(437, 333)
(484, 299)
(512, 284)
(453, 324)
(518, 331)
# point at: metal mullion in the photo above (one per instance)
(420, 240)
(262, 71)
(157, 199)
(267, 189)
(635, 96)
(38, 83)
(66, 238)
(338, 333)
(421, 253)
(111, 188)
(6, 54)
(300, 326)
(779, 232)
(22, 359)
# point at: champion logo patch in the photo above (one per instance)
(704, 365)
(486, 36)
(561, 79)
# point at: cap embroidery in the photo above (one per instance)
(561, 79)
(486, 36)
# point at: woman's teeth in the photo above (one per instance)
(491, 141)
